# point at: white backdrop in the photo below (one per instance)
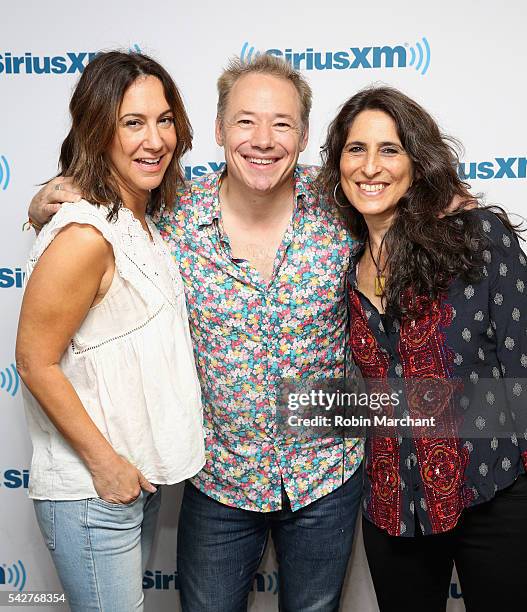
(464, 61)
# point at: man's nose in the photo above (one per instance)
(262, 136)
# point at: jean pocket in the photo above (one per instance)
(45, 512)
(114, 506)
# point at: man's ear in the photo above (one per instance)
(304, 138)
(218, 131)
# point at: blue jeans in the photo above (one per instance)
(220, 548)
(100, 549)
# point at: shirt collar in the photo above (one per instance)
(205, 194)
(305, 190)
(205, 197)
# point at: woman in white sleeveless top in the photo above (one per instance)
(111, 392)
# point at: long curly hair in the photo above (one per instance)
(94, 107)
(425, 252)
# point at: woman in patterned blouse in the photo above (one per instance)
(444, 299)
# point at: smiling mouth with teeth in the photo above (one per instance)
(260, 161)
(148, 162)
(375, 188)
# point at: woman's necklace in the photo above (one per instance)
(380, 278)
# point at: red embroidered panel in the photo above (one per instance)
(425, 355)
(383, 468)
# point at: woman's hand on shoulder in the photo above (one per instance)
(458, 204)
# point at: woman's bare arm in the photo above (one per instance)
(62, 288)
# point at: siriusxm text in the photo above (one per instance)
(354, 58)
(69, 63)
(201, 170)
(163, 581)
(15, 479)
(11, 277)
(498, 168)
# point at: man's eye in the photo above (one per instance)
(244, 121)
(282, 125)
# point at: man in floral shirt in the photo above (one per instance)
(263, 259)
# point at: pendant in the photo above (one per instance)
(380, 282)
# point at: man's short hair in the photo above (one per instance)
(264, 64)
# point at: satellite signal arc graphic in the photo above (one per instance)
(5, 172)
(10, 380)
(247, 52)
(16, 575)
(272, 580)
(420, 52)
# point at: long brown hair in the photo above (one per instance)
(94, 108)
(425, 251)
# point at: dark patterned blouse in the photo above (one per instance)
(475, 332)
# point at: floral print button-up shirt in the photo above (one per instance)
(249, 335)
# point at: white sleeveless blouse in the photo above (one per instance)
(131, 363)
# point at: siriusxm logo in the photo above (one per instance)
(71, 62)
(498, 168)
(417, 56)
(9, 380)
(200, 170)
(5, 173)
(161, 581)
(15, 479)
(13, 574)
(11, 277)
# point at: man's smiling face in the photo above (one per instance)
(261, 132)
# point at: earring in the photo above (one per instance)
(348, 205)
